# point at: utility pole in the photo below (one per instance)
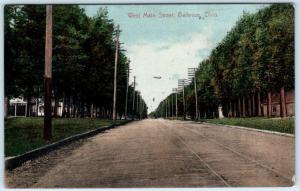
(181, 84)
(48, 75)
(133, 97)
(183, 104)
(176, 106)
(115, 74)
(192, 75)
(127, 89)
(172, 105)
(169, 108)
(196, 97)
(140, 108)
(175, 90)
(137, 103)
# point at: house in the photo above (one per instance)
(19, 107)
(290, 104)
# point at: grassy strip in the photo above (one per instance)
(286, 125)
(25, 134)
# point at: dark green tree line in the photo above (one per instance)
(82, 63)
(253, 61)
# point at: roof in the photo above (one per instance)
(17, 101)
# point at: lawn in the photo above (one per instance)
(25, 134)
(284, 125)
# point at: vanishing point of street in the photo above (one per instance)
(164, 153)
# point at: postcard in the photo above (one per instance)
(149, 95)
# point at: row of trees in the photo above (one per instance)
(82, 64)
(254, 60)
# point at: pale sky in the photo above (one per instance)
(168, 46)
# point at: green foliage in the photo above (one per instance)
(83, 57)
(256, 56)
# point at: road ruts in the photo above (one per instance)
(236, 160)
(164, 153)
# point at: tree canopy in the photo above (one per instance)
(82, 63)
(256, 56)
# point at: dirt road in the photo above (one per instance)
(164, 153)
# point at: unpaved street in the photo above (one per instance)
(164, 153)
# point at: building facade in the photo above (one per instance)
(290, 104)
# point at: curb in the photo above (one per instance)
(252, 129)
(16, 161)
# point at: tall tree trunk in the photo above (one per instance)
(269, 108)
(244, 107)
(91, 111)
(28, 113)
(234, 109)
(249, 107)
(37, 106)
(82, 109)
(95, 111)
(227, 109)
(74, 110)
(101, 113)
(68, 107)
(64, 107)
(110, 114)
(259, 104)
(253, 105)
(230, 109)
(77, 111)
(283, 112)
(240, 107)
(55, 106)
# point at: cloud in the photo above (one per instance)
(166, 59)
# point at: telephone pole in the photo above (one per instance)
(48, 75)
(133, 97)
(175, 90)
(169, 108)
(192, 75)
(127, 88)
(115, 74)
(183, 101)
(172, 106)
(181, 84)
(137, 104)
(176, 106)
(140, 107)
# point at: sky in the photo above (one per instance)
(166, 40)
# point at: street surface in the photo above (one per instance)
(164, 153)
